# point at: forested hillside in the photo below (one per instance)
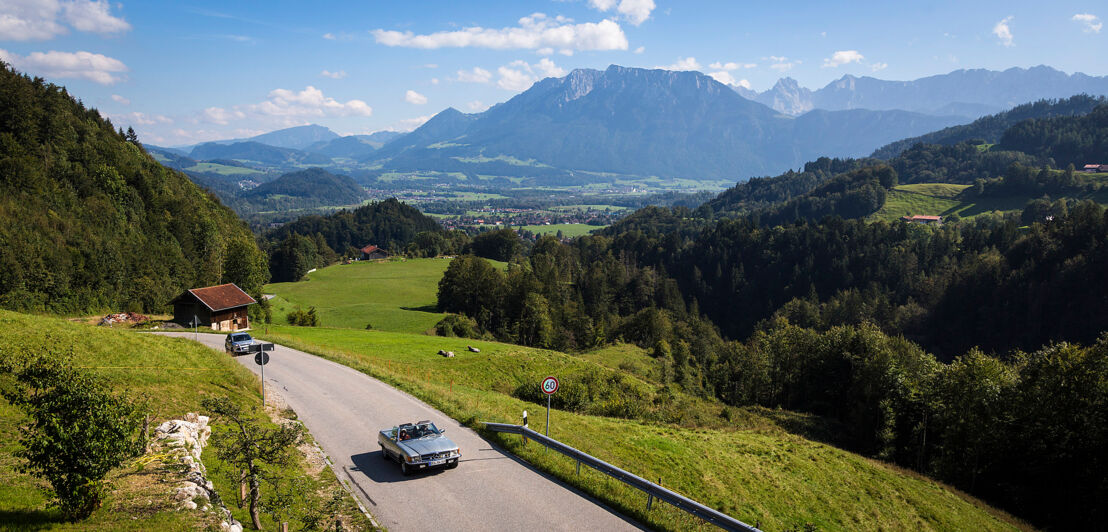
(988, 129)
(89, 221)
(314, 241)
(938, 347)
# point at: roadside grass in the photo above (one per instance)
(739, 461)
(172, 376)
(395, 295)
(568, 230)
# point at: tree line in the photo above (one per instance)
(91, 222)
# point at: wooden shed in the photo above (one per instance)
(222, 307)
(372, 252)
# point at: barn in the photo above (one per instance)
(373, 253)
(222, 307)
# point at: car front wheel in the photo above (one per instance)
(404, 469)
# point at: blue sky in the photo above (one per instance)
(183, 72)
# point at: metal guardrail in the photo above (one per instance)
(706, 513)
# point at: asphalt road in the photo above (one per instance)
(489, 490)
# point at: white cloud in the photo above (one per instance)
(434, 81)
(120, 99)
(723, 77)
(640, 50)
(82, 65)
(634, 11)
(545, 51)
(781, 63)
(879, 66)
(333, 75)
(843, 57)
(476, 106)
(744, 84)
(140, 119)
(683, 63)
(731, 66)
(93, 16)
(408, 124)
(519, 75)
(221, 116)
(534, 32)
(430, 65)
(37, 20)
(415, 98)
(309, 102)
(1003, 32)
(329, 36)
(1091, 22)
(29, 20)
(475, 75)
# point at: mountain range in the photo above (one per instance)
(647, 123)
(969, 93)
(592, 125)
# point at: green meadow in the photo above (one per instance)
(753, 463)
(395, 295)
(172, 376)
(740, 461)
(222, 169)
(942, 199)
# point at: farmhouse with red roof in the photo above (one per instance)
(373, 252)
(222, 307)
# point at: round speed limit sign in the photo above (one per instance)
(549, 385)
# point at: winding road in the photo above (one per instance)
(490, 489)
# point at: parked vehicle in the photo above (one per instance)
(238, 343)
(417, 446)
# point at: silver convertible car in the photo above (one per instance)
(417, 446)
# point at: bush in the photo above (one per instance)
(302, 318)
(456, 325)
(78, 430)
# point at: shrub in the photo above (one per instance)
(78, 430)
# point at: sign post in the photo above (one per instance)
(549, 386)
(261, 359)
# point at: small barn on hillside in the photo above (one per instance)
(222, 307)
(373, 252)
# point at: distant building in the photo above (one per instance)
(374, 252)
(222, 307)
(920, 219)
(1094, 168)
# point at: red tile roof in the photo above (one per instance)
(369, 249)
(222, 297)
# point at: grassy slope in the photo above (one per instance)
(174, 375)
(940, 199)
(391, 296)
(746, 466)
(222, 169)
(397, 296)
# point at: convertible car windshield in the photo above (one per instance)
(418, 430)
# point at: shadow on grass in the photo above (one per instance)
(433, 309)
(29, 519)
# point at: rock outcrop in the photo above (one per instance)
(183, 440)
